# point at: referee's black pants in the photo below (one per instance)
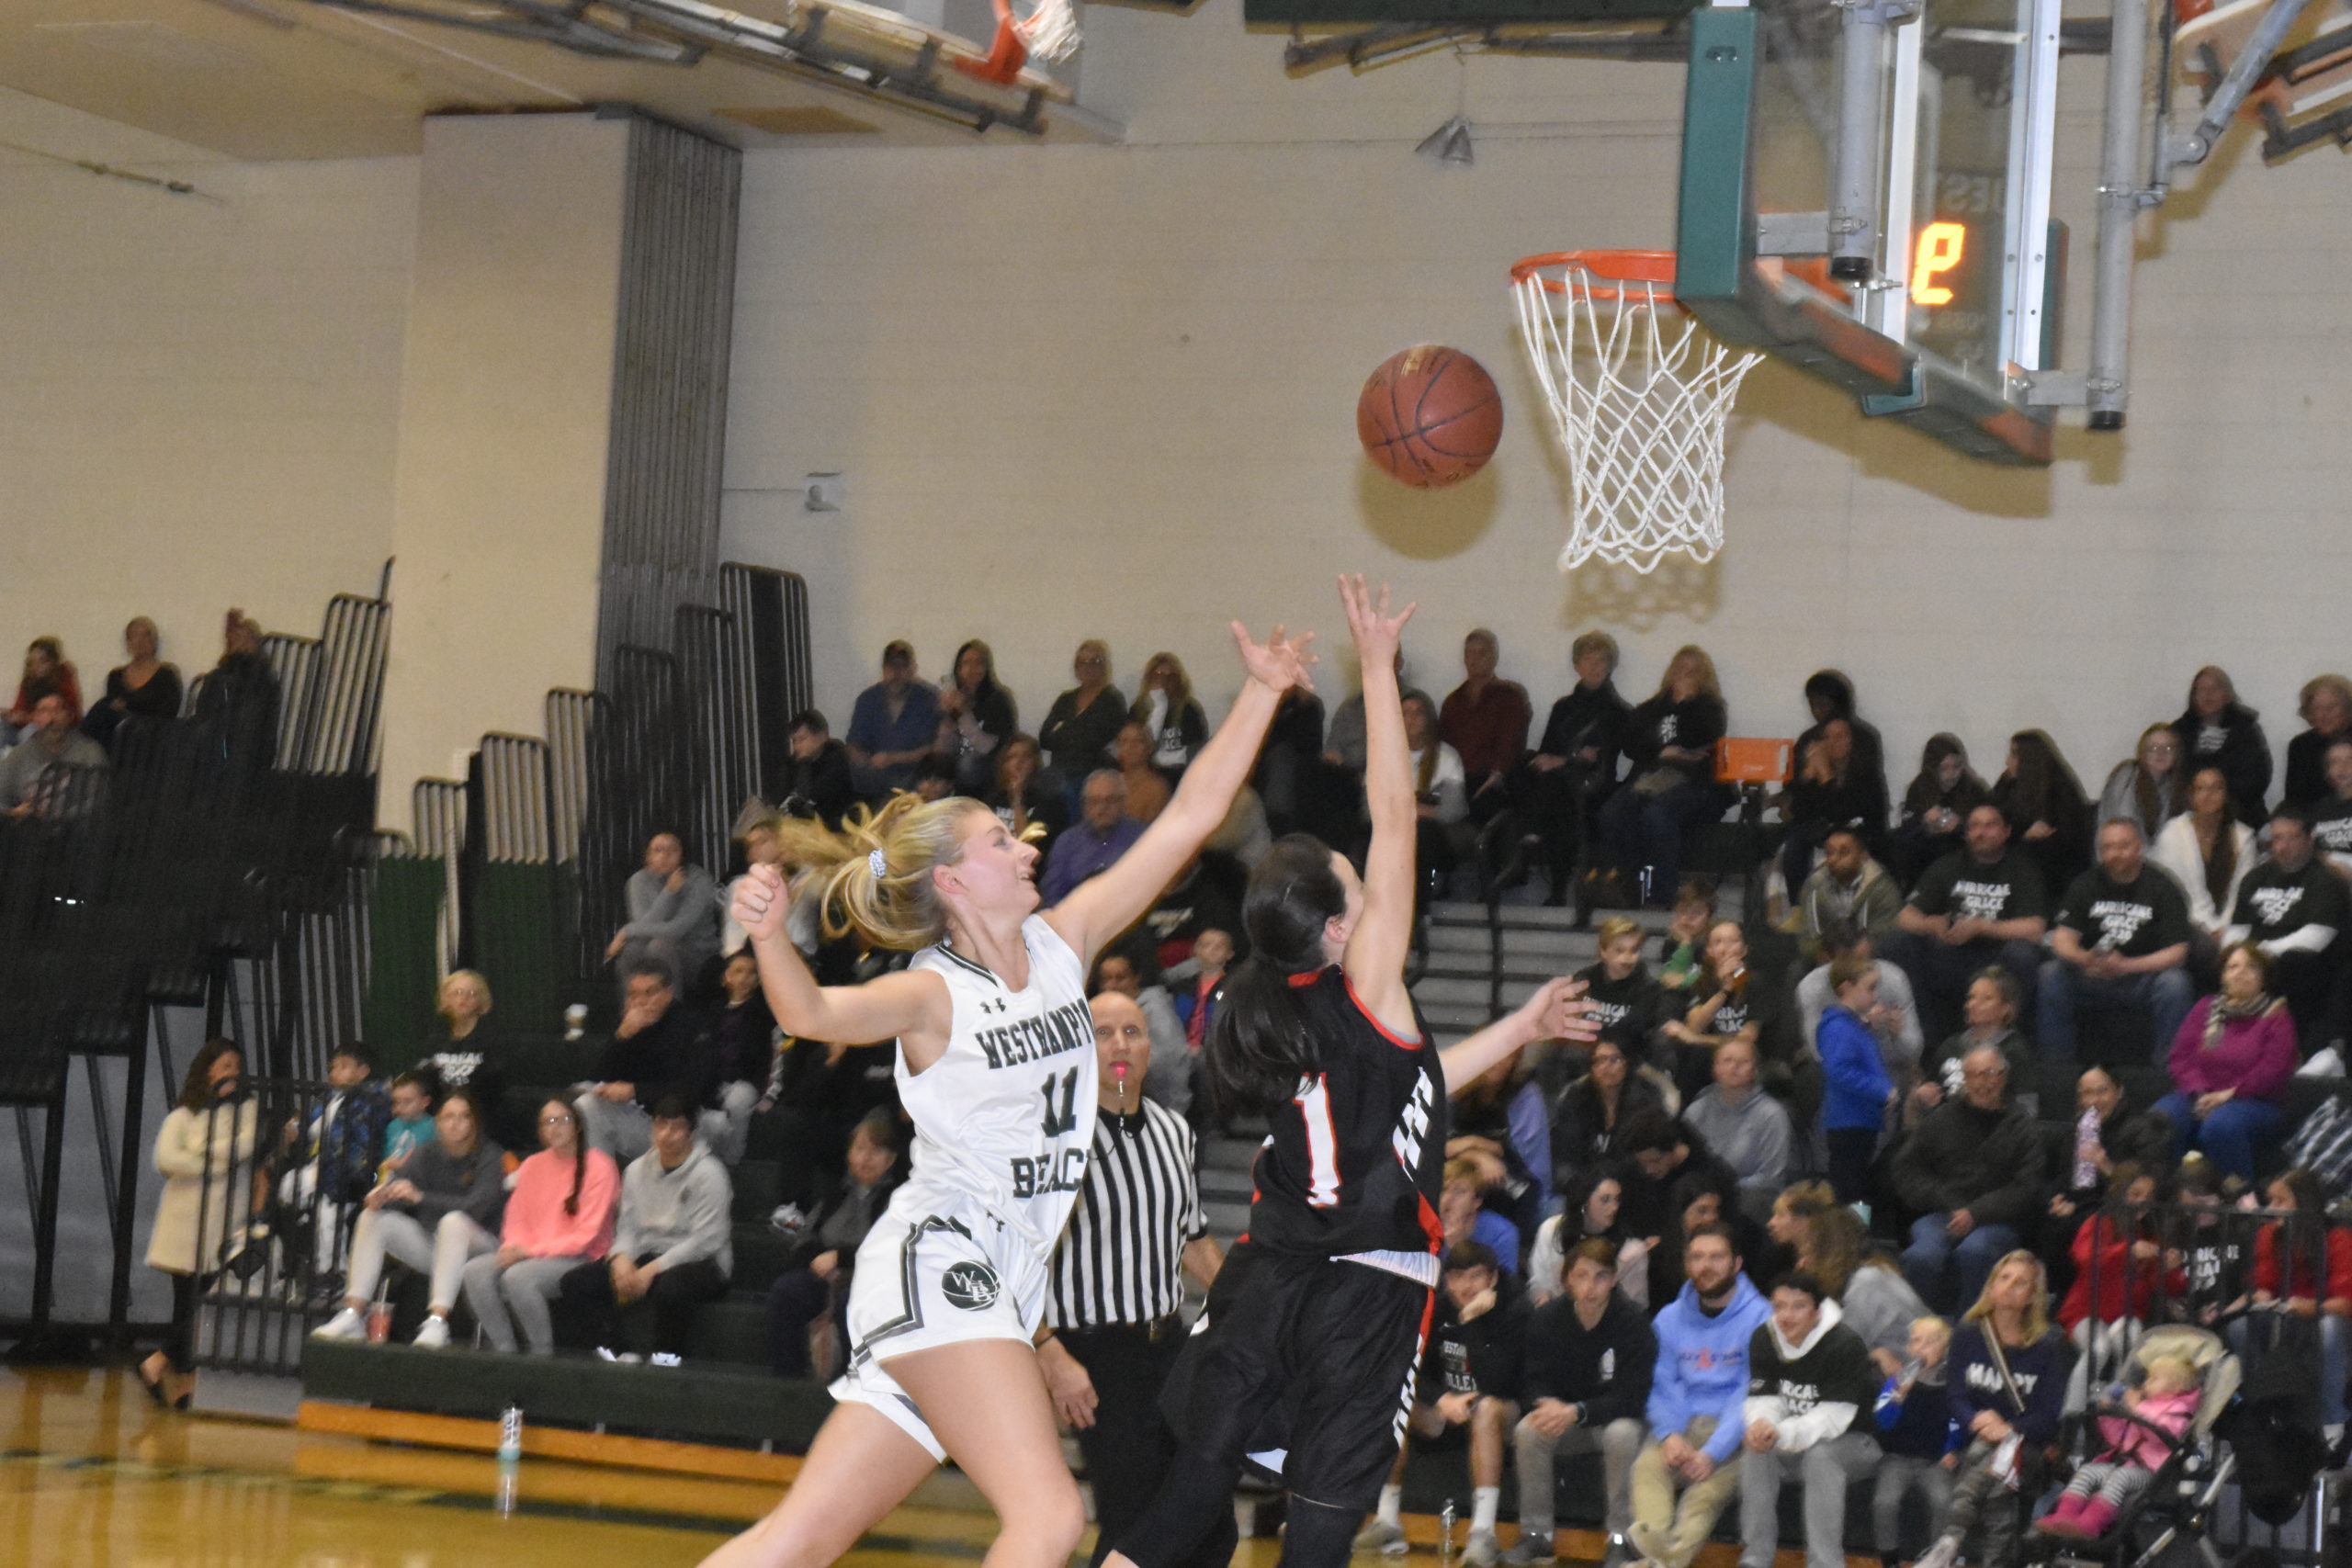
(1129, 1446)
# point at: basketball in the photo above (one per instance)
(1429, 416)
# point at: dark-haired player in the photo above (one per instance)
(1317, 1322)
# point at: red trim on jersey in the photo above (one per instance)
(1306, 977)
(1431, 1226)
(1429, 1315)
(1385, 1032)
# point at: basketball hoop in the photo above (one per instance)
(1639, 407)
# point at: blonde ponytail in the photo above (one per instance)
(890, 902)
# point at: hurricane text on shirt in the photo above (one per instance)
(1666, 730)
(1980, 900)
(2119, 919)
(2271, 905)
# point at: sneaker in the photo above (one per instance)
(1530, 1548)
(1382, 1537)
(666, 1358)
(433, 1336)
(1482, 1550)
(349, 1324)
(1943, 1554)
(621, 1358)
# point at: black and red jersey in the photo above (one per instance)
(1356, 1158)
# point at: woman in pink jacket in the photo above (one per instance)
(560, 1212)
(2230, 1064)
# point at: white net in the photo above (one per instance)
(1639, 403)
(1051, 30)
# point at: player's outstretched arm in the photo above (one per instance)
(910, 1006)
(1557, 1011)
(1102, 906)
(1384, 933)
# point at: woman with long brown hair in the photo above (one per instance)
(1671, 788)
(2209, 852)
(2044, 803)
(1169, 715)
(201, 1150)
(2149, 786)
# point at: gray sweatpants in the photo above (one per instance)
(1899, 1475)
(516, 1296)
(1825, 1469)
(1617, 1443)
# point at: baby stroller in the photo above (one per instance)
(2179, 1503)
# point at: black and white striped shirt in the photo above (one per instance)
(1121, 1259)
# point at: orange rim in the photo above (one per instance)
(1613, 273)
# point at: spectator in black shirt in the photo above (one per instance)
(1627, 1000)
(2293, 906)
(2049, 815)
(2219, 731)
(1084, 720)
(1469, 1387)
(462, 1049)
(1592, 1109)
(824, 1249)
(1936, 807)
(819, 783)
(1029, 794)
(2327, 708)
(239, 696)
(1575, 766)
(2331, 811)
(2121, 939)
(1981, 905)
(1670, 741)
(1292, 779)
(1832, 791)
(1585, 1382)
(657, 1050)
(1829, 695)
(976, 716)
(743, 1055)
(144, 687)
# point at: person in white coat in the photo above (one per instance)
(2208, 851)
(201, 1150)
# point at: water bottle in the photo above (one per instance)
(1445, 1532)
(510, 1459)
(510, 1435)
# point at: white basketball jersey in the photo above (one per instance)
(1006, 1114)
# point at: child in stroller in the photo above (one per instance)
(2135, 1447)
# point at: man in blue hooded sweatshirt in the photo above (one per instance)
(1698, 1400)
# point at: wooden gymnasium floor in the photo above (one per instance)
(93, 1476)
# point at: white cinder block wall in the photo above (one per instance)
(200, 395)
(1082, 390)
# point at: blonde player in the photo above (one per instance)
(996, 1068)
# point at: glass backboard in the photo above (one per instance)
(1887, 224)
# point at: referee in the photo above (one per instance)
(1111, 1326)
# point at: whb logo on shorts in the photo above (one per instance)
(971, 1286)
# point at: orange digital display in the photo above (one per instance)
(1939, 250)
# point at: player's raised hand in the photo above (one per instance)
(1559, 1010)
(761, 901)
(1281, 661)
(1376, 632)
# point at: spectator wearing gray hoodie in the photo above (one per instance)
(1747, 1128)
(673, 1248)
(673, 915)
